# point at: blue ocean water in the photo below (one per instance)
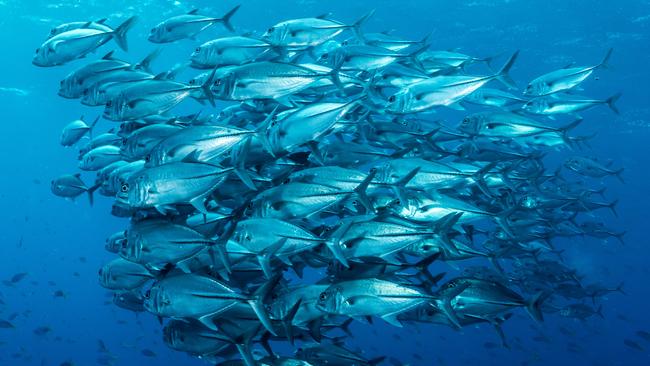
(59, 244)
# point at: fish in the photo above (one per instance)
(317, 187)
(307, 32)
(443, 90)
(77, 43)
(188, 26)
(556, 104)
(229, 51)
(563, 79)
(591, 168)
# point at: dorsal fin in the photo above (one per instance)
(193, 11)
(86, 24)
(323, 16)
(161, 76)
(109, 55)
(101, 21)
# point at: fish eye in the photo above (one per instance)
(36, 50)
(147, 294)
(198, 49)
(398, 201)
(125, 187)
(217, 82)
(324, 56)
(147, 158)
(322, 296)
(373, 170)
(391, 99)
(465, 120)
(270, 30)
(109, 103)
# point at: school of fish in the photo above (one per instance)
(320, 188)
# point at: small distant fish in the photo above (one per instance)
(43, 330)
(148, 353)
(632, 344)
(643, 334)
(60, 293)
(18, 277)
(490, 345)
(6, 324)
(14, 91)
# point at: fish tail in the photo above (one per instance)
(205, 87)
(257, 302)
(287, 321)
(612, 207)
(533, 306)
(356, 27)
(605, 62)
(120, 32)
(145, 64)
(360, 191)
(423, 267)
(226, 18)
(599, 311)
(568, 128)
(92, 125)
(262, 132)
(238, 157)
(503, 75)
(91, 191)
(611, 102)
(618, 174)
(619, 288)
(619, 237)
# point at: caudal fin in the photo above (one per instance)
(356, 27)
(605, 62)
(91, 191)
(611, 102)
(120, 32)
(533, 306)
(226, 18)
(618, 174)
(503, 75)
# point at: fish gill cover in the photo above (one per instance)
(314, 184)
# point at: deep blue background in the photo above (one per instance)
(56, 233)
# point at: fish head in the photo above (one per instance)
(68, 86)
(573, 163)
(536, 89)
(157, 34)
(130, 192)
(114, 109)
(471, 124)
(201, 56)
(277, 35)
(529, 201)
(115, 242)
(93, 96)
(157, 300)
(42, 56)
(403, 207)
(104, 273)
(87, 161)
(331, 300)
(173, 336)
(328, 47)
(400, 101)
(535, 105)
